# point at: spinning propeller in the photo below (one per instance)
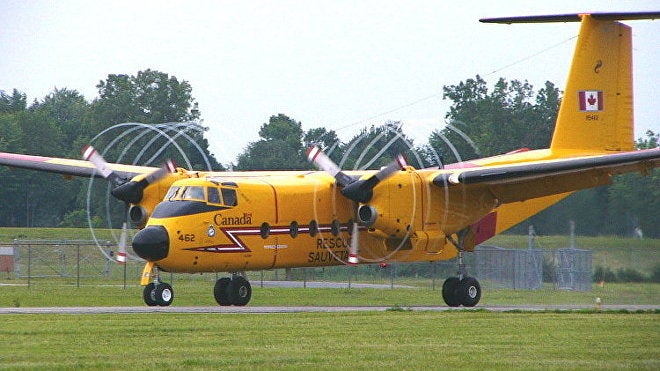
(358, 190)
(129, 191)
(353, 188)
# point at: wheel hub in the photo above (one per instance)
(472, 292)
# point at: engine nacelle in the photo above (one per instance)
(367, 215)
(139, 215)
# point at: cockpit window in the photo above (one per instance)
(193, 193)
(172, 193)
(229, 196)
(223, 196)
(214, 195)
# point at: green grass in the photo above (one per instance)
(398, 338)
(352, 340)
(8, 234)
(200, 292)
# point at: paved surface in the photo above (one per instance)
(327, 285)
(250, 309)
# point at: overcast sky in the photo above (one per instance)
(338, 64)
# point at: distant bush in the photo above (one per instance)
(624, 275)
(630, 275)
(655, 274)
(604, 274)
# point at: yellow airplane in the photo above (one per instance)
(234, 222)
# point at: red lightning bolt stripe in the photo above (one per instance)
(237, 244)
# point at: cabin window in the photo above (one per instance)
(265, 230)
(313, 228)
(335, 227)
(293, 229)
(229, 196)
(193, 193)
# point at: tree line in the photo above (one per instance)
(481, 122)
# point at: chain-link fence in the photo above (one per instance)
(573, 270)
(528, 269)
(510, 268)
(67, 259)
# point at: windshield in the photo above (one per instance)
(193, 193)
(211, 195)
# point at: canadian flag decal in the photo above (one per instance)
(590, 100)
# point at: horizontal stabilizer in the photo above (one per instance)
(645, 159)
(577, 17)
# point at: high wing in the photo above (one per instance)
(520, 182)
(69, 167)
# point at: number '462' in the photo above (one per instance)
(187, 237)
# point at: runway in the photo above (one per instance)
(312, 309)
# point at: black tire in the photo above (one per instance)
(221, 292)
(240, 291)
(149, 295)
(450, 291)
(469, 292)
(164, 294)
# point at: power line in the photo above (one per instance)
(428, 97)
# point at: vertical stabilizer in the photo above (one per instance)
(596, 113)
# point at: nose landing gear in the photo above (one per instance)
(158, 293)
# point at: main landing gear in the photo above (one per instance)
(462, 290)
(232, 291)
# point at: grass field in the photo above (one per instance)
(193, 293)
(353, 340)
(398, 338)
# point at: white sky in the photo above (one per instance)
(338, 64)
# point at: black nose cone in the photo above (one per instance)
(152, 243)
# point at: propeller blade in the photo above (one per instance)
(356, 190)
(124, 190)
(353, 251)
(121, 254)
(323, 162)
(168, 168)
(90, 154)
(132, 191)
(362, 190)
(399, 163)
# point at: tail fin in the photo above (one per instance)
(596, 113)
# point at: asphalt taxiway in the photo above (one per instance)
(310, 309)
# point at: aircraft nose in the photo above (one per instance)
(152, 243)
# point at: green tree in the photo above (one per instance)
(376, 146)
(634, 198)
(70, 114)
(12, 103)
(63, 122)
(321, 137)
(11, 140)
(280, 147)
(150, 97)
(484, 124)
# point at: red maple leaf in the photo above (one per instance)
(592, 100)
